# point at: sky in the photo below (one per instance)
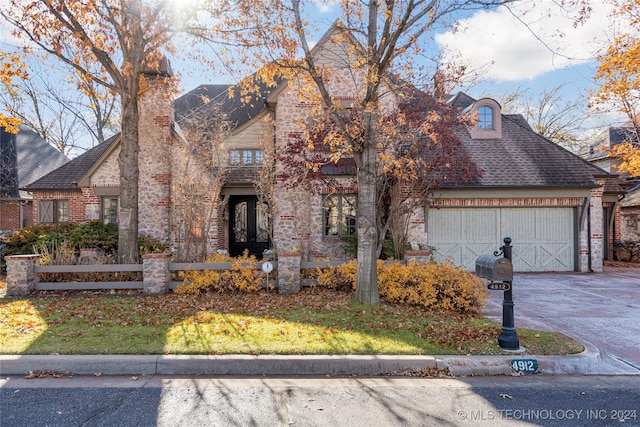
(537, 52)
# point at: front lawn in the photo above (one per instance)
(314, 321)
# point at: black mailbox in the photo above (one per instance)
(494, 268)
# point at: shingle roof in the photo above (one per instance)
(32, 156)
(67, 176)
(523, 158)
(238, 109)
(632, 198)
(241, 175)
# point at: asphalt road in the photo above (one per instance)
(474, 401)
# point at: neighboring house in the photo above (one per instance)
(627, 215)
(549, 201)
(24, 157)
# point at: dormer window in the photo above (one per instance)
(488, 123)
(485, 118)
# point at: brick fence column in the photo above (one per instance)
(155, 273)
(289, 272)
(419, 256)
(20, 276)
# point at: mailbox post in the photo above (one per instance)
(508, 338)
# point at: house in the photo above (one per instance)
(627, 214)
(24, 157)
(202, 157)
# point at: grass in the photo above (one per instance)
(314, 321)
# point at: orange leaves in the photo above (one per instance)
(435, 286)
(618, 71)
(629, 157)
(11, 67)
(243, 277)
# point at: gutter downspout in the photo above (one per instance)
(612, 221)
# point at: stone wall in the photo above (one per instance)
(298, 221)
(627, 251)
(629, 224)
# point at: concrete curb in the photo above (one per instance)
(589, 362)
(214, 365)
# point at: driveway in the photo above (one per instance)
(601, 310)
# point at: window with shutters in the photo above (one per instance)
(53, 211)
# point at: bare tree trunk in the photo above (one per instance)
(367, 275)
(129, 174)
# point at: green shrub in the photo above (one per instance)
(89, 235)
(350, 244)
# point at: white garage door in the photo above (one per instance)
(542, 238)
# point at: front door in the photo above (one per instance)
(248, 226)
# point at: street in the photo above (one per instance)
(235, 401)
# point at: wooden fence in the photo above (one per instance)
(157, 273)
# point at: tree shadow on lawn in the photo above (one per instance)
(314, 321)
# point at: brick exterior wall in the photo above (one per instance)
(508, 202)
(75, 199)
(10, 215)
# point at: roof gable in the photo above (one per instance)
(69, 175)
(25, 158)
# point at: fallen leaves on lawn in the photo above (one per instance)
(333, 311)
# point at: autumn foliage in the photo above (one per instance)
(619, 76)
(242, 277)
(10, 67)
(431, 285)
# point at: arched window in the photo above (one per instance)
(485, 118)
(339, 215)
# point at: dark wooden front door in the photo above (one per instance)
(248, 226)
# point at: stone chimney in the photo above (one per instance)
(439, 81)
(156, 117)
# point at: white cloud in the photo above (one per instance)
(325, 6)
(6, 34)
(508, 50)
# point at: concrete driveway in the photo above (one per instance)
(601, 310)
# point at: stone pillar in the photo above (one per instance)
(418, 256)
(597, 233)
(20, 276)
(289, 272)
(156, 274)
